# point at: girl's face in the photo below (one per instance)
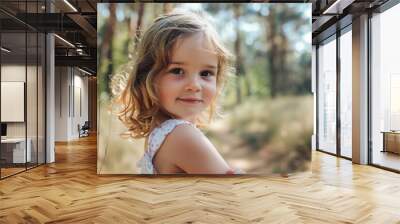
(189, 84)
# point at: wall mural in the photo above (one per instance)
(165, 69)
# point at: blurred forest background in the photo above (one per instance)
(267, 104)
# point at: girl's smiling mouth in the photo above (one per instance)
(191, 100)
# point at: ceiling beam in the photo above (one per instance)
(84, 24)
(82, 61)
(337, 7)
(321, 22)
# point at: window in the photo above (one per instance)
(385, 89)
(327, 96)
(346, 93)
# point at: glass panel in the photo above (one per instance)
(14, 153)
(386, 89)
(313, 81)
(41, 99)
(327, 97)
(346, 94)
(13, 86)
(23, 82)
(31, 84)
(31, 97)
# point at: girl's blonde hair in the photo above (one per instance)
(141, 110)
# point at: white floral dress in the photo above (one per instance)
(156, 138)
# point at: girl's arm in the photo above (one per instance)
(188, 149)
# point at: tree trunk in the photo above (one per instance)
(139, 22)
(238, 62)
(272, 50)
(248, 86)
(285, 81)
(106, 48)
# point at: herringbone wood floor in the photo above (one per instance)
(70, 191)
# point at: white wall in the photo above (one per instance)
(62, 81)
(71, 87)
(13, 73)
(80, 89)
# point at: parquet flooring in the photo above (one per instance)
(6, 171)
(70, 191)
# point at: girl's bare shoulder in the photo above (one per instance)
(190, 150)
(188, 137)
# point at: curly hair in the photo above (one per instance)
(141, 110)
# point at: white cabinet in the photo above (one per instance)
(18, 149)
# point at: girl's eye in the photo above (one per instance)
(176, 71)
(206, 73)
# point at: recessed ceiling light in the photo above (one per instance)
(70, 5)
(5, 49)
(64, 40)
(337, 7)
(84, 71)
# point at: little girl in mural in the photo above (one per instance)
(180, 69)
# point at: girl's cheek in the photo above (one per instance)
(214, 85)
(212, 89)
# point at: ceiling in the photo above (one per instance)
(76, 20)
(328, 16)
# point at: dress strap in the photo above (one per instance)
(155, 140)
(158, 135)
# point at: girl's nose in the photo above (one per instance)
(193, 84)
